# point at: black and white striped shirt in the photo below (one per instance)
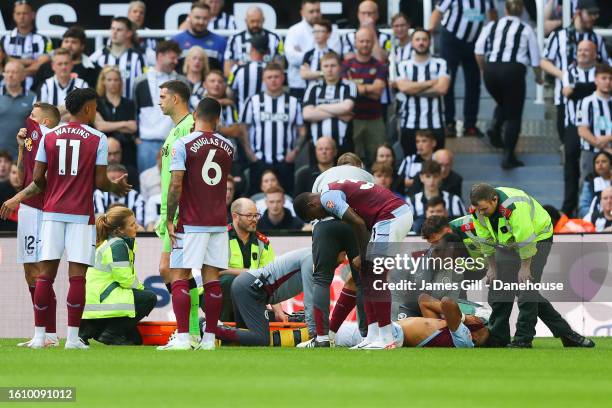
(133, 200)
(421, 112)
(598, 220)
(223, 21)
(28, 46)
(403, 53)
(320, 93)
(273, 125)
(347, 42)
(464, 18)
(508, 40)
(131, 63)
(239, 48)
(229, 113)
(312, 58)
(595, 112)
(452, 202)
(561, 50)
(599, 185)
(197, 94)
(246, 80)
(52, 92)
(572, 76)
(410, 166)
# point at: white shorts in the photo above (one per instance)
(394, 229)
(348, 335)
(29, 222)
(195, 249)
(79, 241)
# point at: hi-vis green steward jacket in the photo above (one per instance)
(522, 223)
(109, 283)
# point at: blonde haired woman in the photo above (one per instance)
(195, 69)
(116, 114)
(114, 298)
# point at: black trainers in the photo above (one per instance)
(519, 344)
(576, 340)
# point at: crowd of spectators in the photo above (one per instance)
(293, 105)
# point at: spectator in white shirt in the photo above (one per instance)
(299, 40)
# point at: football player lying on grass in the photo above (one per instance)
(442, 325)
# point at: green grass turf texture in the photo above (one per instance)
(547, 375)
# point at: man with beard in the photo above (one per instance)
(198, 34)
(422, 82)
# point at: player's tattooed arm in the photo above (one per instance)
(174, 195)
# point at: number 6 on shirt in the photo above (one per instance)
(209, 164)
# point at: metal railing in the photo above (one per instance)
(100, 35)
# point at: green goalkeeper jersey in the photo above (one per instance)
(183, 128)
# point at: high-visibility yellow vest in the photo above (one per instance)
(109, 283)
(522, 223)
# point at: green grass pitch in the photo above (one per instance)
(135, 377)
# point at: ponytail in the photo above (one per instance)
(109, 223)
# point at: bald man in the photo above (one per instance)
(239, 46)
(325, 154)
(248, 250)
(451, 181)
(578, 82)
(15, 105)
(367, 14)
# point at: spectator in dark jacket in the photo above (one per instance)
(276, 216)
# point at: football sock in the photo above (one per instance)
(42, 298)
(344, 306)
(181, 303)
(75, 301)
(214, 302)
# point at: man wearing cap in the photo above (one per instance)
(247, 80)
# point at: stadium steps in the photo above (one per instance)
(539, 147)
(542, 176)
